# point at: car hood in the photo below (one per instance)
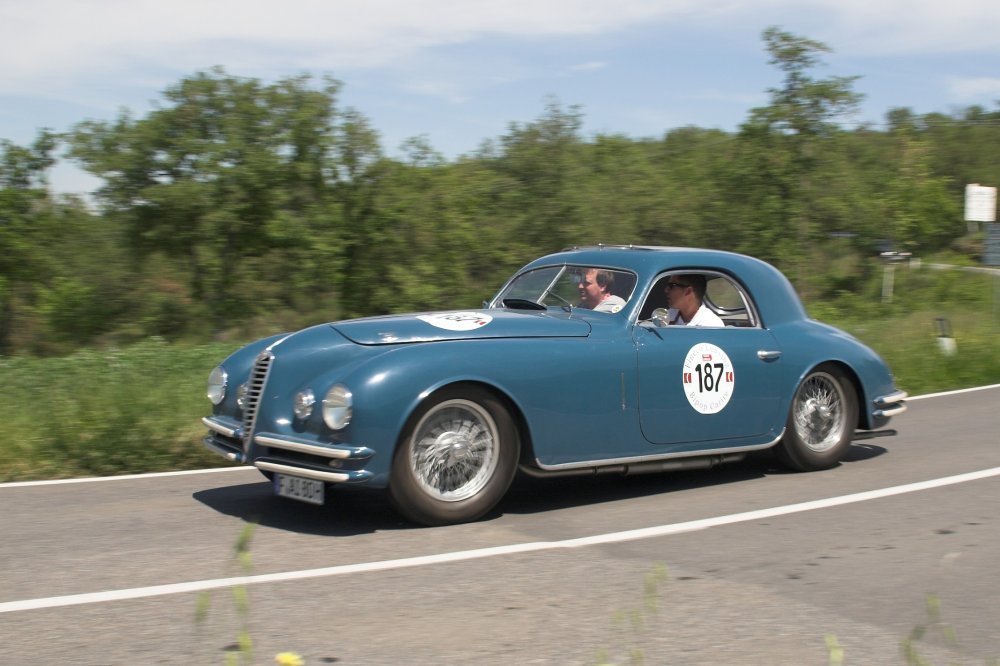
(461, 325)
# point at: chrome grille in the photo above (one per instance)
(255, 389)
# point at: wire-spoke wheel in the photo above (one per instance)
(821, 420)
(456, 457)
(454, 450)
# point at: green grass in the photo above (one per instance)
(106, 412)
(905, 330)
(909, 344)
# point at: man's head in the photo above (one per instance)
(594, 286)
(686, 291)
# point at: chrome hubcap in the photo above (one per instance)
(455, 450)
(819, 412)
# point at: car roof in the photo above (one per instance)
(770, 289)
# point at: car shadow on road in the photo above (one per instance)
(536, 495)
(531, 495)
(862, 452)
(345, 513)
(348, 513)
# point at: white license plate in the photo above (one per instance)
(304, 490)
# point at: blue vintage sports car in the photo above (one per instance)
(577, 366)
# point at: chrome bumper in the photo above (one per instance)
(890, 405)
(334, 463)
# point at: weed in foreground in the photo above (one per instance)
(240, 652)
(630, 623)
(910, 645)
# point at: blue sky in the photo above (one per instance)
(459, 72)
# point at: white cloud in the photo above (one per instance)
(906, 27)
(47, 45)
(443, 89)
(975, 89)
(589, 66)
(64, 38)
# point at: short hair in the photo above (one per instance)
(697, 282)
(605, 278)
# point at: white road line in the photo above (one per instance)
(126, 477)
(496, 551)
(955, 392)
(121, 477)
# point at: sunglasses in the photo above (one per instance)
(680, 285)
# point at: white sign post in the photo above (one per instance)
(980, 205)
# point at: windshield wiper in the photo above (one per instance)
(567, 306)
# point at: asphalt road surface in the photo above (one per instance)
(744, 564)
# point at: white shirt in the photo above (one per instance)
(610, 304)
(703, 317)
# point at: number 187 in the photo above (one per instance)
(707, 381)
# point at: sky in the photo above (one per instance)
(460, 72)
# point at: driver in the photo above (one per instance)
(686, 296)
(595, 291)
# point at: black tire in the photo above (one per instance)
(455, 458)
(821, 421)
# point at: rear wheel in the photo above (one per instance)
(821, 421)
(455, 458)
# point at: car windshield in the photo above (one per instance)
(593, 288)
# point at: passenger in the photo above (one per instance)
(686, 296)
(595, 291)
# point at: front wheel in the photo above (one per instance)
(821, 421)
(455, 459)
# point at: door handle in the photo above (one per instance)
(766, 355)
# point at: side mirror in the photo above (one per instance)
(660, 317)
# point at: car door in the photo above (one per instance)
(703, 387)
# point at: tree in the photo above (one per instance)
(964, 146)
(223, 173)
(544, 159)
(922, 209)
(787, 140)
(804, 107)
(24, 198)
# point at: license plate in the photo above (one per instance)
(295, 487)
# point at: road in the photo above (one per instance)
(762, 566)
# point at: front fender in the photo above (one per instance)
(809, 344)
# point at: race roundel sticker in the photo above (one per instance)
(708, 378)
(457, 321)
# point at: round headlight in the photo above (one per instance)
(304, 401)
(217, 380)
(338, 407)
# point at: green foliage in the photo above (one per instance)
(227, 172)
(905, 329)
(804, 106)
(106, 412)
(70, 309)
(24, 202)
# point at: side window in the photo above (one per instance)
(723, 296)
(729, 301)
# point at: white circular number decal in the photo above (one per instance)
(708, 378)
(457, 321)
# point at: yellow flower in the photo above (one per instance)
(289, 659)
